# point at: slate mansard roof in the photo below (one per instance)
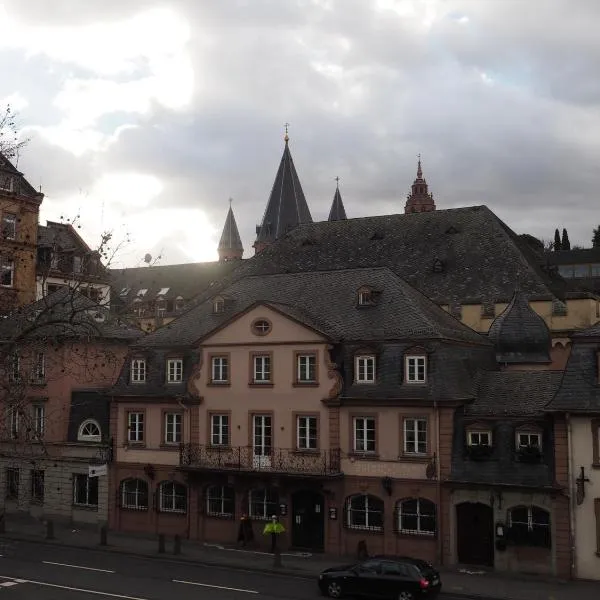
(328, 302)
(580, 388)
(455, 256)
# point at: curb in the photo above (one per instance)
(178, 559)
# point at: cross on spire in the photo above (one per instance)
(337, 181)
(286, 137)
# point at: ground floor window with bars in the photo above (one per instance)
(263, 503)
(172, 497)
(134, 494)
(529, 526)
(364, 512)
(12, 483)
(416, 516)
(85, 490)
(37, 486)
(220, 501)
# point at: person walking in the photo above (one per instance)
(274, 528)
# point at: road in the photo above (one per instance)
(39, 572)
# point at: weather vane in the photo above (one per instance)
(286, 138)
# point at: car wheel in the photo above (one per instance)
(405, 595)
(334, 589)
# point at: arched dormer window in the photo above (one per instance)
(89, 431)
(219, 305)
(364, 296)
(179, 302)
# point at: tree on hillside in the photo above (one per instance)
(557, 245)
(565, 243)
(596, 238)
(10, 140)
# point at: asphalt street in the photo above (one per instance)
(40, 572)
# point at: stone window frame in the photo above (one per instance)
(128, 414)
(174, 367)
(478, 428)
(139, 370)
(529, 430)
(96, 438)
(403, 450)
(261, 382)
(365, 356)
(298, 355)
(353, 419)
(223, 356)
(297, 416)
(221, 414)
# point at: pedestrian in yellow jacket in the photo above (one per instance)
(275, 528)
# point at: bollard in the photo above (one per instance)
(103, 535)
(177, 544)
(49, 530)
(277, 559)
(161, 543)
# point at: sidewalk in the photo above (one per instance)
(475, 584)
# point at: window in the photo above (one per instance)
(262, 369)
(263, 504)
(528, 439)
(138, 370)
(219, 430)
(173, 428)
(415, 436)
(15, 368)
(39, 420)
(7, 272)
(172, 497)
(307, 433)
(85, 490)
(364, 434)
(364, 297)
(174, 370)
(14, 421)
(135, 427)
(261, 327)
(220, 501)
(220, 369)
(37, 486)
(179, 302)
(365, 369)
(9, 226)
(134, 494)
(529, 526)
(12, 483)
(161, 307)
(415, 369)
(416, 516)
(218, 305)
(306, 368)
(479, 438)
(364, 512)
(89, 431)
(38, 367)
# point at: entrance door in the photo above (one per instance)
(262, 435)
(308, 520)
(475, 534)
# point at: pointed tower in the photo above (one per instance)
(287, 207)
(230, 246)
(337, 212)
(419, 200)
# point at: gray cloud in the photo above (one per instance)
(364, 92)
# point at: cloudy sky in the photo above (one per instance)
(147, 115)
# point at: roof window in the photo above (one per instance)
(142, 292)
(163, 291)
(124, 291)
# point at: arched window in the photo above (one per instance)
(172, 497)
(416, 516)
(529, 526)
(364, 512)
(263, 503)
(89, 431)
(220, 501)
(134, 494)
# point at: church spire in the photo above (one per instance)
(419, 200)
(287, 207)
(337, 212)
(230, 246)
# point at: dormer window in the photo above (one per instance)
(161, 307)
(529, 439)
(179, 302)
(141, 293)
(479, 438)
(415, 369)
(365, 296)
(365, 369)
(138, 370)
(219, 305)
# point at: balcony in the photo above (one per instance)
(244, 459)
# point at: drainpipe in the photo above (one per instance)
(570, 496)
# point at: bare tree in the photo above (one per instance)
(11, 142)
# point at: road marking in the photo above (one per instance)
(73, 589)
(48, 562)
(215, 587)
(9, 583)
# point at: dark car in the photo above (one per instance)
(400, 578)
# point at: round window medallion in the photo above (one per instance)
(261, 327)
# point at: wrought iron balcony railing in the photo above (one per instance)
(246, 458)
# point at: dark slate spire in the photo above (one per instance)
(520, 335)
(337, 212)
(230, 246)
(287, 207)
(419, 200)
